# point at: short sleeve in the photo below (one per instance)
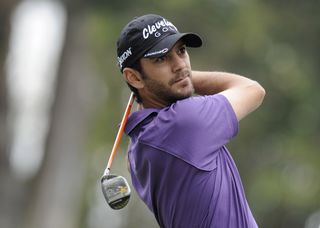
(194, 129)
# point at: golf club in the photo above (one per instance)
(116, 189)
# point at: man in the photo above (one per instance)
(179, 164)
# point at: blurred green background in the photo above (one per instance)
(54, 143)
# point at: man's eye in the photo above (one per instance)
(160, 59)
(183, 50)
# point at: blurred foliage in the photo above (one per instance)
(274, 42)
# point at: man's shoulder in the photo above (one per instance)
(195, 108)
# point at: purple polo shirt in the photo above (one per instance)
(181, 168)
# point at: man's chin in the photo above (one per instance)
(187, 91)
(185, 95)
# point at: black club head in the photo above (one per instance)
(116, 191)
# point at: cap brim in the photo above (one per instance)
(166, 44)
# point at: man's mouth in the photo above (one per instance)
(180, 79)
(182, 76)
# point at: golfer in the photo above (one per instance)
(179, 164)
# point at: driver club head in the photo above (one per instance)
(116, 191)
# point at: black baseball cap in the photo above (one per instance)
(150, 36)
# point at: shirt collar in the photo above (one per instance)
(137, 117)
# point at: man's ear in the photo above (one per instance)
(133, 77)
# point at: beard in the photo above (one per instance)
(167, 92)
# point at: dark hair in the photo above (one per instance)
(137, 66)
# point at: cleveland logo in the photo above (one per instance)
(154, 28)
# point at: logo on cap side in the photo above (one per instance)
(154, 28)
(163, 51)
(126, 54)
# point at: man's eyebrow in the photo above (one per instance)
(180, 44)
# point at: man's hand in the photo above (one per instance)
(244, 94)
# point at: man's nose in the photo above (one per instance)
(178, 63)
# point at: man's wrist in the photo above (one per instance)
(204, 82)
